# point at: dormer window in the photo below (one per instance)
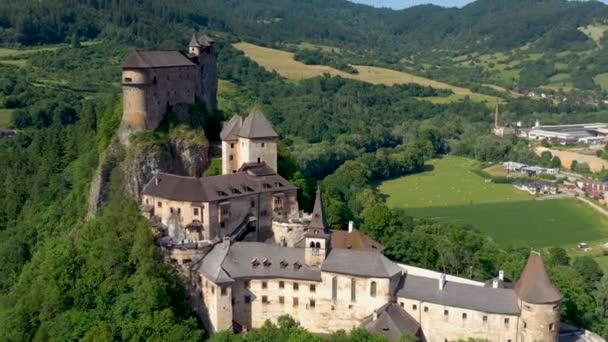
(247, 189)
(297, 265)
(278, 185)
(255, 263)
(267, 186)
(266, 263)
(235, 191)
(221, 193)
(284, 264)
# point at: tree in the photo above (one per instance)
(558, 256)
(589, 269)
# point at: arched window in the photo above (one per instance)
(334, 288)
(372, 289)
(318, 245)
(312, 244)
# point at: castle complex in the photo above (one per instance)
(253, 256)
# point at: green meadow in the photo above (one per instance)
(450, 192)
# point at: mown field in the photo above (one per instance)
(452, 193)
(283, 63)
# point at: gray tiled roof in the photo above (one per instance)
(534, 285)
(256, 125)
(236, 262)
(392, 323)
(214, 188)
(230, 130)
(155, 59)
(479, 298)
(359, 263)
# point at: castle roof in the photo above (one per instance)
(230, 129)
(392, 322)
(534, 285)
(256, 125)
(455, 294)
(360, 263)
(201, 41)
(354, 240)
(155, 59)
(229, 261)
(214, 188)
(318, 221)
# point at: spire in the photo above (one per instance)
(194, 41)
(534, 285)
(318, 214)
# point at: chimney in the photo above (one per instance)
(350, 226)
(226, 241)
(375, 315)
(156, 180)
(501, 275)
(495, 283)
(441, 282)
(496, 125)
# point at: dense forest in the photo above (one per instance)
(65, 278)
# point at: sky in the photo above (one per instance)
(399, 4)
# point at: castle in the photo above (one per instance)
(252, 255)
(154, 81)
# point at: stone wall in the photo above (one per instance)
(539, 322)
(286, 233)
(208, 80)
(459, 323)
(230, 157)
(258, 150)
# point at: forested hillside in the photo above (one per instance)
(64, 278)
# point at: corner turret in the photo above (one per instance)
(539, 301)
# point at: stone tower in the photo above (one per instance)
(248, 140)
(201, 50)
(317, 238)
(539, 302)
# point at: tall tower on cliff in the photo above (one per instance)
(201, 50)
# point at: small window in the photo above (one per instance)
(231, 157)
(222, 224)
(159, 204)
(446, 312)
(296, 286)
(313, 288)
(262, 145)
(485, 318)
(232, 145)
(506, 321)
(264, 285)
(426, 309)
(247, 299)
(224, 291)
(259, 160)
(414, 307)
(246, 284)
(281, 300)
(525, 324)
(212, 289)
(312, 303)
(171, 210)
(253, 204)
(281, 284)
(179, 211)
(265, 299)
(372, 289)
(296, 302)
(464, 315)
(147, 201)
(550, 326)
(195, 211)
(128, 79)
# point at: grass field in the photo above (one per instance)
(595, 32)
(283, 63)
(602, 80)
(452, 193)
(5, 117)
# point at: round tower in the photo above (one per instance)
(134, 84)
(539, 302)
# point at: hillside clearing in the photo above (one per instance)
(595, 32)
(450, 192)
(283, 63)
(5, 117)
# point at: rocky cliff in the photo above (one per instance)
(182, 151)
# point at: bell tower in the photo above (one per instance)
(317, 238)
